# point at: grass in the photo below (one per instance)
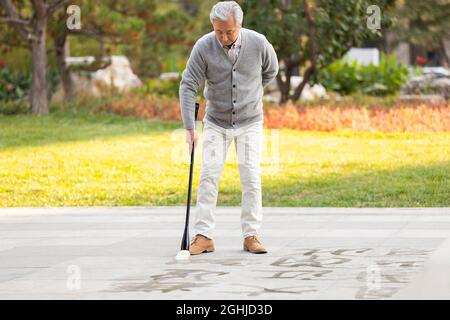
(83, 159)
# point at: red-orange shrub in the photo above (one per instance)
(399, 117)
(424, 117)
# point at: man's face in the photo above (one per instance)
(227, 32)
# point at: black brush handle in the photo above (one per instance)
(185, 241)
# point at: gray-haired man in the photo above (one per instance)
(236, 63)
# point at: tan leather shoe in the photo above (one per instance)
(201, 244)
(253, 245)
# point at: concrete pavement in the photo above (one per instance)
(314, 253)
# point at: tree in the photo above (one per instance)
(165, 31)
(137, 28)
(308, 35)
(424, 24)
(190, 6)
(110, 22)
(32, 28)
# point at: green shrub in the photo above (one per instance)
(169, 88)
(347, 77)
(17, 84)
(14, 85)
(14, 107)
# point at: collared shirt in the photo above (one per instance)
(233, 52)
(233, 92)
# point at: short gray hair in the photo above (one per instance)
(223, 10)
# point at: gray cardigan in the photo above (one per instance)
(233, 92)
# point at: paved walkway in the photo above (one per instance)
(315, 253)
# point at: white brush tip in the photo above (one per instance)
(183, 255)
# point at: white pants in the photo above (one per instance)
(216, 140)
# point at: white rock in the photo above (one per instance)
(308, 93)
(169, 76)
(364, 56)
(436, 70)
(118, 74)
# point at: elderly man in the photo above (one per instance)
(236, 63)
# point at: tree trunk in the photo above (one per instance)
(285, 86)
(306, 76)
(66, 77)
(312, 38)
(445, 49)
(39, 101)
(36, 38)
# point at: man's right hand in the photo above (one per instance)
(191, 136)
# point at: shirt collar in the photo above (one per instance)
(236, 44)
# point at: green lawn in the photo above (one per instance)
(81, 159)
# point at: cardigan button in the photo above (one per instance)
(234, 86)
